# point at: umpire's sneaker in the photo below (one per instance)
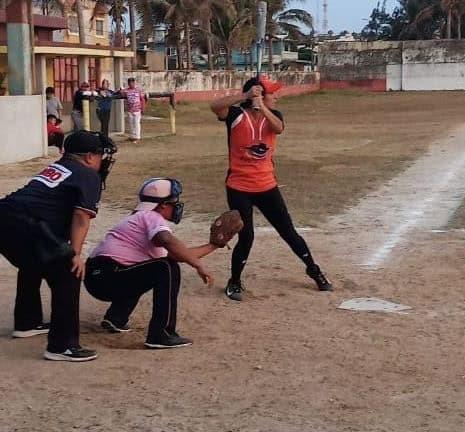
(234, 290)
(38, 330)
(112, 327)
(320, 279)
(167, 340)
(77, 354)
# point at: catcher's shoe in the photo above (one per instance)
(234, 290)
(112, 327)
(167, 340)
(320, 279)
(76, 354)
(38, 330)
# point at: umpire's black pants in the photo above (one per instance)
(16, 242)
(123, 286)
(273, 207)
(28, 304)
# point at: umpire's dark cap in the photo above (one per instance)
(83, 141)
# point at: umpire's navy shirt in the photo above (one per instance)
(53, 194)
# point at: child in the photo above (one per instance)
(54, 132)
(141, 254)
(54, 106)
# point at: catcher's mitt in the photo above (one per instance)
(225, 228)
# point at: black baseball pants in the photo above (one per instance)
(123, 286)
(272, 206)
(16, 240)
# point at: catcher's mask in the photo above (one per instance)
(161, 190)
(108, 150)
(82, 142)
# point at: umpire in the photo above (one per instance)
(43, 229)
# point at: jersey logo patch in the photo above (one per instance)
(53, 175)
(258, 151)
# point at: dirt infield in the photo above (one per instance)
(286, 359)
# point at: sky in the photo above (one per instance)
(348, 15)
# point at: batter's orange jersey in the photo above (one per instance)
(251, 143)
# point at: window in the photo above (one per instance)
(66, 76)
(99, 27)
(172, 51)
(73, 25)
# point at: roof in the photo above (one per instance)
(43, 21)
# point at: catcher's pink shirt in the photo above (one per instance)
(130, 242)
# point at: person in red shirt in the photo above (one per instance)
(253, 124)
(55, 134)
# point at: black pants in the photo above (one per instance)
(104, 117)
(273, 207)
(56, 139)
(28, 305)
(123, 286)
(16, 240)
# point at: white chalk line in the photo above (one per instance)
(413, 218)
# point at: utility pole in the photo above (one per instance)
(325, 17)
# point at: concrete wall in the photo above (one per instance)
(357, 64)
(408, 65)
(22, 125)
(205, 86)
(432, 65)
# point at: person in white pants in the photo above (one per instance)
(135, 106)
(134, 119)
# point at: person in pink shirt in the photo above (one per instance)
(141, 254)
(135, 107)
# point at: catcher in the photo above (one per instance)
(141, 254)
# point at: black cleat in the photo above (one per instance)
(167, 340)
(234, 290)
(76, 354)
(320, 279)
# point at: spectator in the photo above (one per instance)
(54, 132)
(135, 106)
(76, 114)
(104, 106)
(54, 106)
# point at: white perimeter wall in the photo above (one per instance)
(22, 128)
(428, 65)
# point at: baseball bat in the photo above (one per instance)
(260, 40)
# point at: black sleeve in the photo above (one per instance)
(233, 113)
(88, 186)
(278, 114)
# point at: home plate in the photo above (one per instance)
(367, 304)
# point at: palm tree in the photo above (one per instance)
(207, 10)
(453, 8)
(280, 19)
(178, 14)
(232, 28)
(132, 24)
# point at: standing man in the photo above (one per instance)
(42, 230)
(253, 125)
(135, 106)
(76, 113)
